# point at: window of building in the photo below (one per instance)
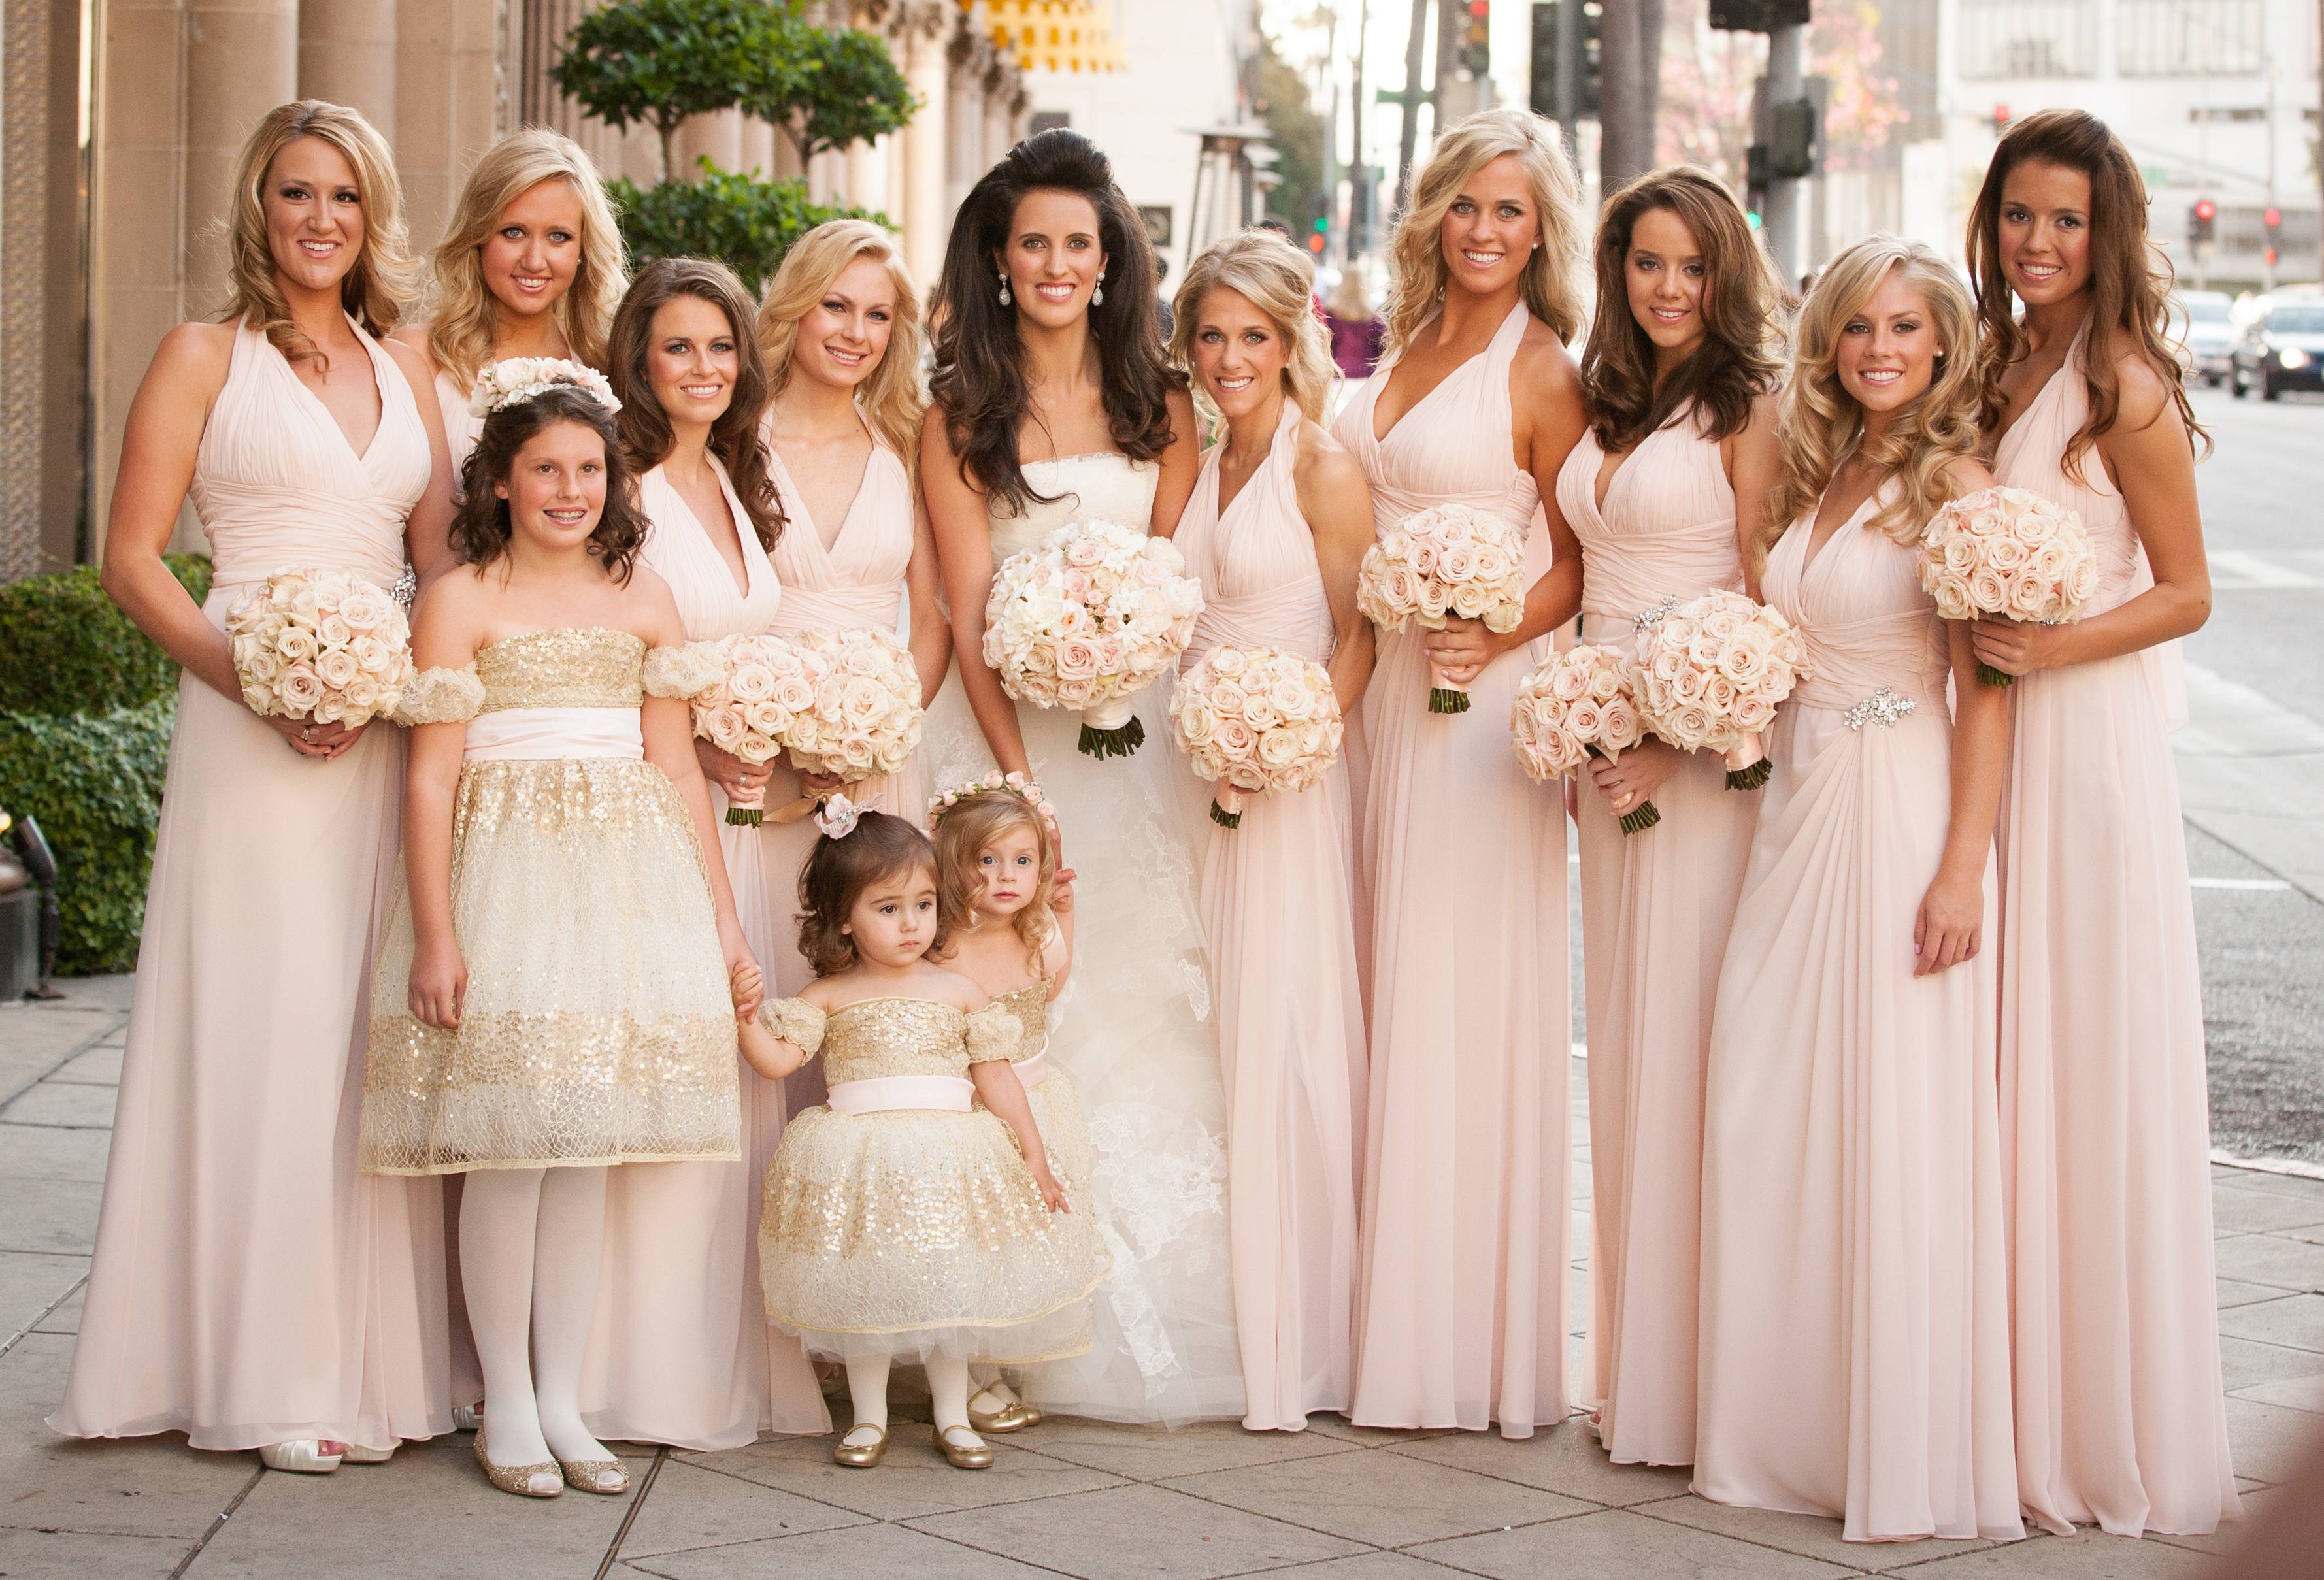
(2008, 40)
(2189, 38)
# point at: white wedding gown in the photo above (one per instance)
(1133, 1029)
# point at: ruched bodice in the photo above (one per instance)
(1666, 530)
(276, 483)
(1859, 605)
(1104, 483)
(875, 1038)
(678, 549)
(1262, 584)
(857, 580)
(2032, 455)
(586, 666)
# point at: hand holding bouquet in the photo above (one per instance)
(863, 717)
(2010, 553)
(320, 644)
(1710, 674)
(767, 684)
(1258, 720)
(1578, 705)
(1087, 619)
(1444, 561)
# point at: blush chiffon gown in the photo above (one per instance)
(1461, 1277)
(250, 1286)
(1278, 906)
(2104, 1109)
(1655, 910)
(1855, 1348)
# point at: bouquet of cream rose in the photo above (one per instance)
(1710, 674)
(765, 686)
(1445, 560)
(1085, 619)
(865, 714)
(1578, 705)
(2011, 553)
(1258, 720)
(320, 644)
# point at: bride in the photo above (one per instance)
(1053, 402)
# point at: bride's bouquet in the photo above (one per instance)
(1710, 674)
(765, 684)
(864, 717)
(1445, 560)
(2007, 552)
(1578, 705)
(320, 644)
(1256, 720)
(1085, 619)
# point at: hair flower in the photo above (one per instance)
(837, 816)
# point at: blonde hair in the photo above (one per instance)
(462, 310)
(1550, 281)
(893, 400)
(1271, 274)
(969, 828)
(378, 287)
(1820, 422)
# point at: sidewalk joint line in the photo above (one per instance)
(120, 1019)
(77, 1284)
(217, 1524)
(628, 1515)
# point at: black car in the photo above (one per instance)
(2282, 349)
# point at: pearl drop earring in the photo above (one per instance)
(1005, 298)
(1097, 297)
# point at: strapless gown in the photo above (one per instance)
(1135, 1029)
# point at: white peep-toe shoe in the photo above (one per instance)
(357, 1453)
(303, 1454)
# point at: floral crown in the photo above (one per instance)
(1015, 784)
(513, 381)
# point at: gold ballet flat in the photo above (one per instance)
(859, 1456)
(959, 1456)
(518, 1479)
(608, 1478)
(1012, 1416)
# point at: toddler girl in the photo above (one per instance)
(903, 1220)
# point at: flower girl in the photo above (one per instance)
(1003, 903)
(902, 1221)
(551, 999)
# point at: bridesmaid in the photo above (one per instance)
(1461, 1303)
(681, 1353)
(1664, 492)
(1855, 1359)
(252, 1290)
(2104, 1110)
(530, 265)
(1279, 519)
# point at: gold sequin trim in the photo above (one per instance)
(586, 666)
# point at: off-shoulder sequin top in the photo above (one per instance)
(873, 1038)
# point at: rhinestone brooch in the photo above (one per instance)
(1654, 617)
(1883, 707)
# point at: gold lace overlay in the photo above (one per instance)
(582, 666)
(440, 696)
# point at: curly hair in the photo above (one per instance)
(837, 872)
(2130, 277)
(969, 828)
(1735, 364)
(378, 287)
(735, 437)
(1273, 276)
(892, 399)
(979, 383)
(481, 531)
(462, 313)
(1820, 422)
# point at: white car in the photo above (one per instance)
(2202, 327)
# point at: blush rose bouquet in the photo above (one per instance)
(1578, 705)
(1438, 562)
(1256, 720)
(1711, 674)
(322, 645)
(864, 716)
(2009, 553)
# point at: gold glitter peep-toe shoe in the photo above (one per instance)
(959, 1456)
(862, 1455)
(520, 1480)
(608, 1478)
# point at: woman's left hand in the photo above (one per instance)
(2015, 647)
(1461, 651)
(1952, 916)
(1629, 781)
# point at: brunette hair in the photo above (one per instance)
(1733, 366)
(1272, 275)
(2130, 277)
(378, 287)
(481, 531)
(836, 874)
(735, 438)
(967, 830)
(892, 400)
(979, 382)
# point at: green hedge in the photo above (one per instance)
(64, 648)
(93, 782)
(747, 225)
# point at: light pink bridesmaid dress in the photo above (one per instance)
(250, 1287)
(461, 429)
(1855, 1352)
(2105, 1116)
(681, 1351)
(1278, 906)
(1460, 1291)
(1656, 909)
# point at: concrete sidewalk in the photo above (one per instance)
(1067, 1497)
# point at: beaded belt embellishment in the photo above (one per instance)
(1883, 707)
(1654, 617)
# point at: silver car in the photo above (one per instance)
(2203, 329)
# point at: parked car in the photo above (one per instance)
(2282, 350)
(2203, 328)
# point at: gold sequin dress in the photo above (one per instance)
(1056, 1107)
(900, 1219)
(598, 1026)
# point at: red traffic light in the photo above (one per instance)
(1480, 7)
(2272, 217)
(2000, 116)
(2206, 209)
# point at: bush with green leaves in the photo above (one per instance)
(64, 648)
(93, 781)
(746, 225)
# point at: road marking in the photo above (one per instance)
(2246, 572)
(2270, 884)
(2249, 775)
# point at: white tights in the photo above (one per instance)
(867, 1390)
(529, 1243)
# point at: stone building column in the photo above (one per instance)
(448, 105)
(347, 55)
(719, 137)
(758, 147)
(999, 121)
(241, 60)
(927, 66)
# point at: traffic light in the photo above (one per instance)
(1757, 15)
(1754, 185)
(1477, 38)
(2000, 119)
(1589, 42)
(1320, 235)
(1795, 140)
(2200, 215)
(2272, 217)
